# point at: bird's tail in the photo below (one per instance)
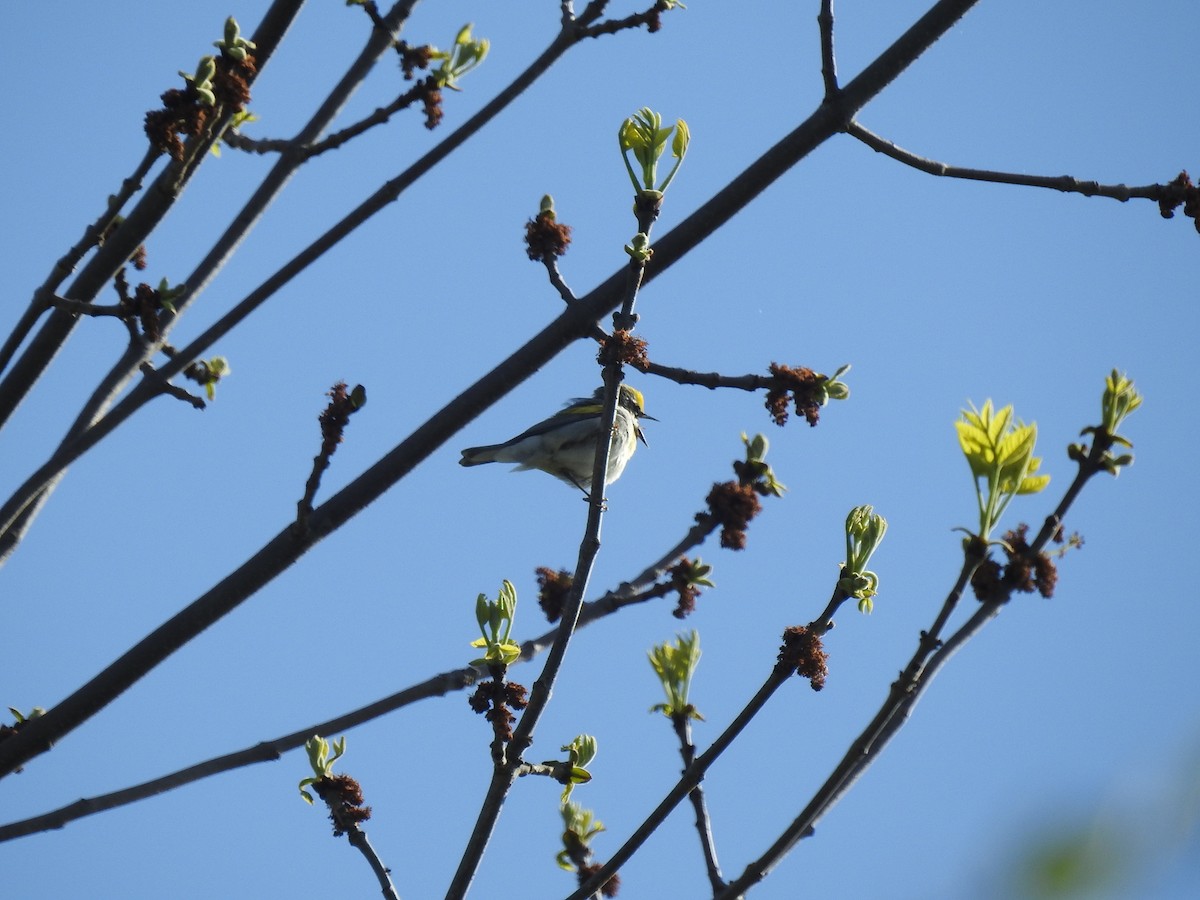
(477, 456)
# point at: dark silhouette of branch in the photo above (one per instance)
(930, 656)
(333, 419)
(590, 27)
(372, 10)
(1064, 183)
(277, 555)
(358, 840)
(640, 589)
(123, 241)
(712, 380)
(505, 771)
(691, 779)
(687, 750)
(803, 825)
(102, 414)
(266, 751)
(138, 354)
(305, 152)
(44, 297)
(828, 60)
(79, 442)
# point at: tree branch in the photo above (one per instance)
(687, 750)
(828, 61)
(276, 556)
(691, 778)
(121, 243)
(44, 297)
(306, 151)
(135, 356)
(903, 695)
(543, 688)
(1064, 183)
(629, 593)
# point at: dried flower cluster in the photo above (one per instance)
(1181, 192)
(184, 112)
(493, 699)
(623, 347)
(1024, 571)
(802, 651)
(802, 386)
(553, 589)
(344, 797)
(546, 237)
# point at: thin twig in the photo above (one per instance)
(629, 593)
(1064, 183)
(265, 751)
(539, 698)
(691, 778)
(687, 750)
(44, 297)
(136, 355)
(90, 427)
(556, 279)
(120, 244)
(612, 26)
(82, 308)
(379, 21)
(306, 151)
(358, 839)
(333, 421)
(278, 554)
(903, 695)
(694, 774)
(712, 380)
(803, 825)
(172, 390)
(568, 296)
(828, 61)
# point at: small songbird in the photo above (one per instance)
(565, 444)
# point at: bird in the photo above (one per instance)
(564, 445)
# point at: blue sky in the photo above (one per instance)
(939, 292)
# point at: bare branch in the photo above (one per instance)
(121, 243)
(82, 308)
(134, 356)
(1064, 183)
(358, 840)
(687, 750)
(90, 427)
(904, 693)
(44, 297)
(304, 152)
(828, 61)
(639, 589)
(172, 390)
(278, 554)
(650, 18)
(691, 778)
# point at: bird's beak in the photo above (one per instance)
(641, 437)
